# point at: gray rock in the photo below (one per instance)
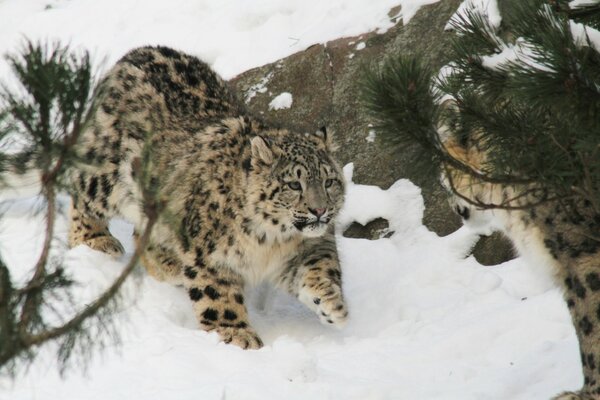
(373, 230)
(324, 82)
(494, 249)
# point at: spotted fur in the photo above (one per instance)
(558, 235)
(245, 202)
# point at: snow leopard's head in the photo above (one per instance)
(461, 180)
(298, 187)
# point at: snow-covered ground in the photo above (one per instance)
(426, 322)
(231, 35)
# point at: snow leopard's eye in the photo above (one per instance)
(328, 183)
(295, 185)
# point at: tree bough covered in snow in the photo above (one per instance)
(534, 102)
(515, 117)
(48, 113)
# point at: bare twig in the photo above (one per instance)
(502, 206)
(33, 297)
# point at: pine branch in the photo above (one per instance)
(534, 115)
(58, 105)
(403, 110)
(8, 331)
(59, 83)
(588, 14)
(33, 297)
(399, 97)
(525, 199)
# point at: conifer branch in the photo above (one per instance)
(534, 114)
(59, 103)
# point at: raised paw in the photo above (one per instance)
(327, 302)
(245, 337)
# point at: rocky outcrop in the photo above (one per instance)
(324, 83)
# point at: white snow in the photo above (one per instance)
(582, 3)
(521, 50)
(282, 101)
(260, 87)
(585, 34)
(488, 8)
(371, 136)
(360, 46)
(425, 322)
(231, 35)
(408, 8)
(508, 53)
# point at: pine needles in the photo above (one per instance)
(54, 104)
(532, 104)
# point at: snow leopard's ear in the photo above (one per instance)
(325, 139)
(321, 133)
(261, 150)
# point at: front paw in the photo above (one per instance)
(244, 337)
(326, 300)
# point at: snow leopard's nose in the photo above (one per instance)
(318, 212)
(463, 212)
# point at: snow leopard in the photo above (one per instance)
(560, 235)
(245, 202)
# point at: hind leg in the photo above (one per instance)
(161, 262)
(91, 208)
(582, 293)
(93, 232)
